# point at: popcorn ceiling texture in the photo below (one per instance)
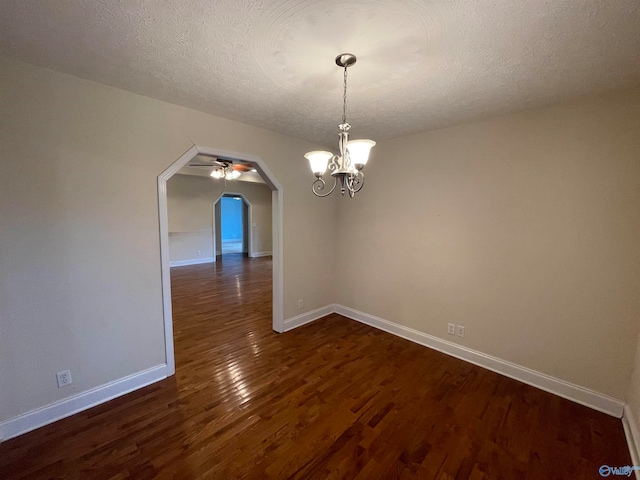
(421, 64)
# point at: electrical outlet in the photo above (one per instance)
(199, 253)
(451, 329)
(460, 331)
(64, 378)
(300, 303)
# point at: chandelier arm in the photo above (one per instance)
(319, 186)
(354, 183)
(359, 180)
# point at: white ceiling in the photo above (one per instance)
(270, 63)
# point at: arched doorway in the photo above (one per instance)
(276, 192)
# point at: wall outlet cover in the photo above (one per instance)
(64, 378)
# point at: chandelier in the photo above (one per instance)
(346, 167)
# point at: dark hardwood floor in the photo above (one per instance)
(332, 399)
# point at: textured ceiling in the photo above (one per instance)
(270, 63)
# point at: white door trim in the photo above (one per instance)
(163, 216)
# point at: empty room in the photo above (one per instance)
(196, 281)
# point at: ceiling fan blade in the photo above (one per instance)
(242, 167)
(202, 165)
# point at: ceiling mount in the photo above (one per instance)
(345, 60)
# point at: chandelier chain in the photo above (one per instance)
(344, 98)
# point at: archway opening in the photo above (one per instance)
(276, 229)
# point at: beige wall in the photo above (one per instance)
(190, 204)
(79, 245)
(525, 229)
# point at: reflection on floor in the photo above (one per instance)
(234, 246)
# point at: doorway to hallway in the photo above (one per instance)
(233, 224)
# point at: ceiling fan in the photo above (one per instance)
(222, 167)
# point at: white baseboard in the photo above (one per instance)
(192, 261)
(632, 433)
(261, 254)
(299, 320)
(570, 391)
(82, 401)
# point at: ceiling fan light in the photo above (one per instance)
(318, 161)
(232, 174)
(218, 173)
(359, 152)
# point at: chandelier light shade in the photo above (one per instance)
(318, 161)
(346, 167)
(359, 152)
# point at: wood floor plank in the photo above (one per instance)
(332, 399)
